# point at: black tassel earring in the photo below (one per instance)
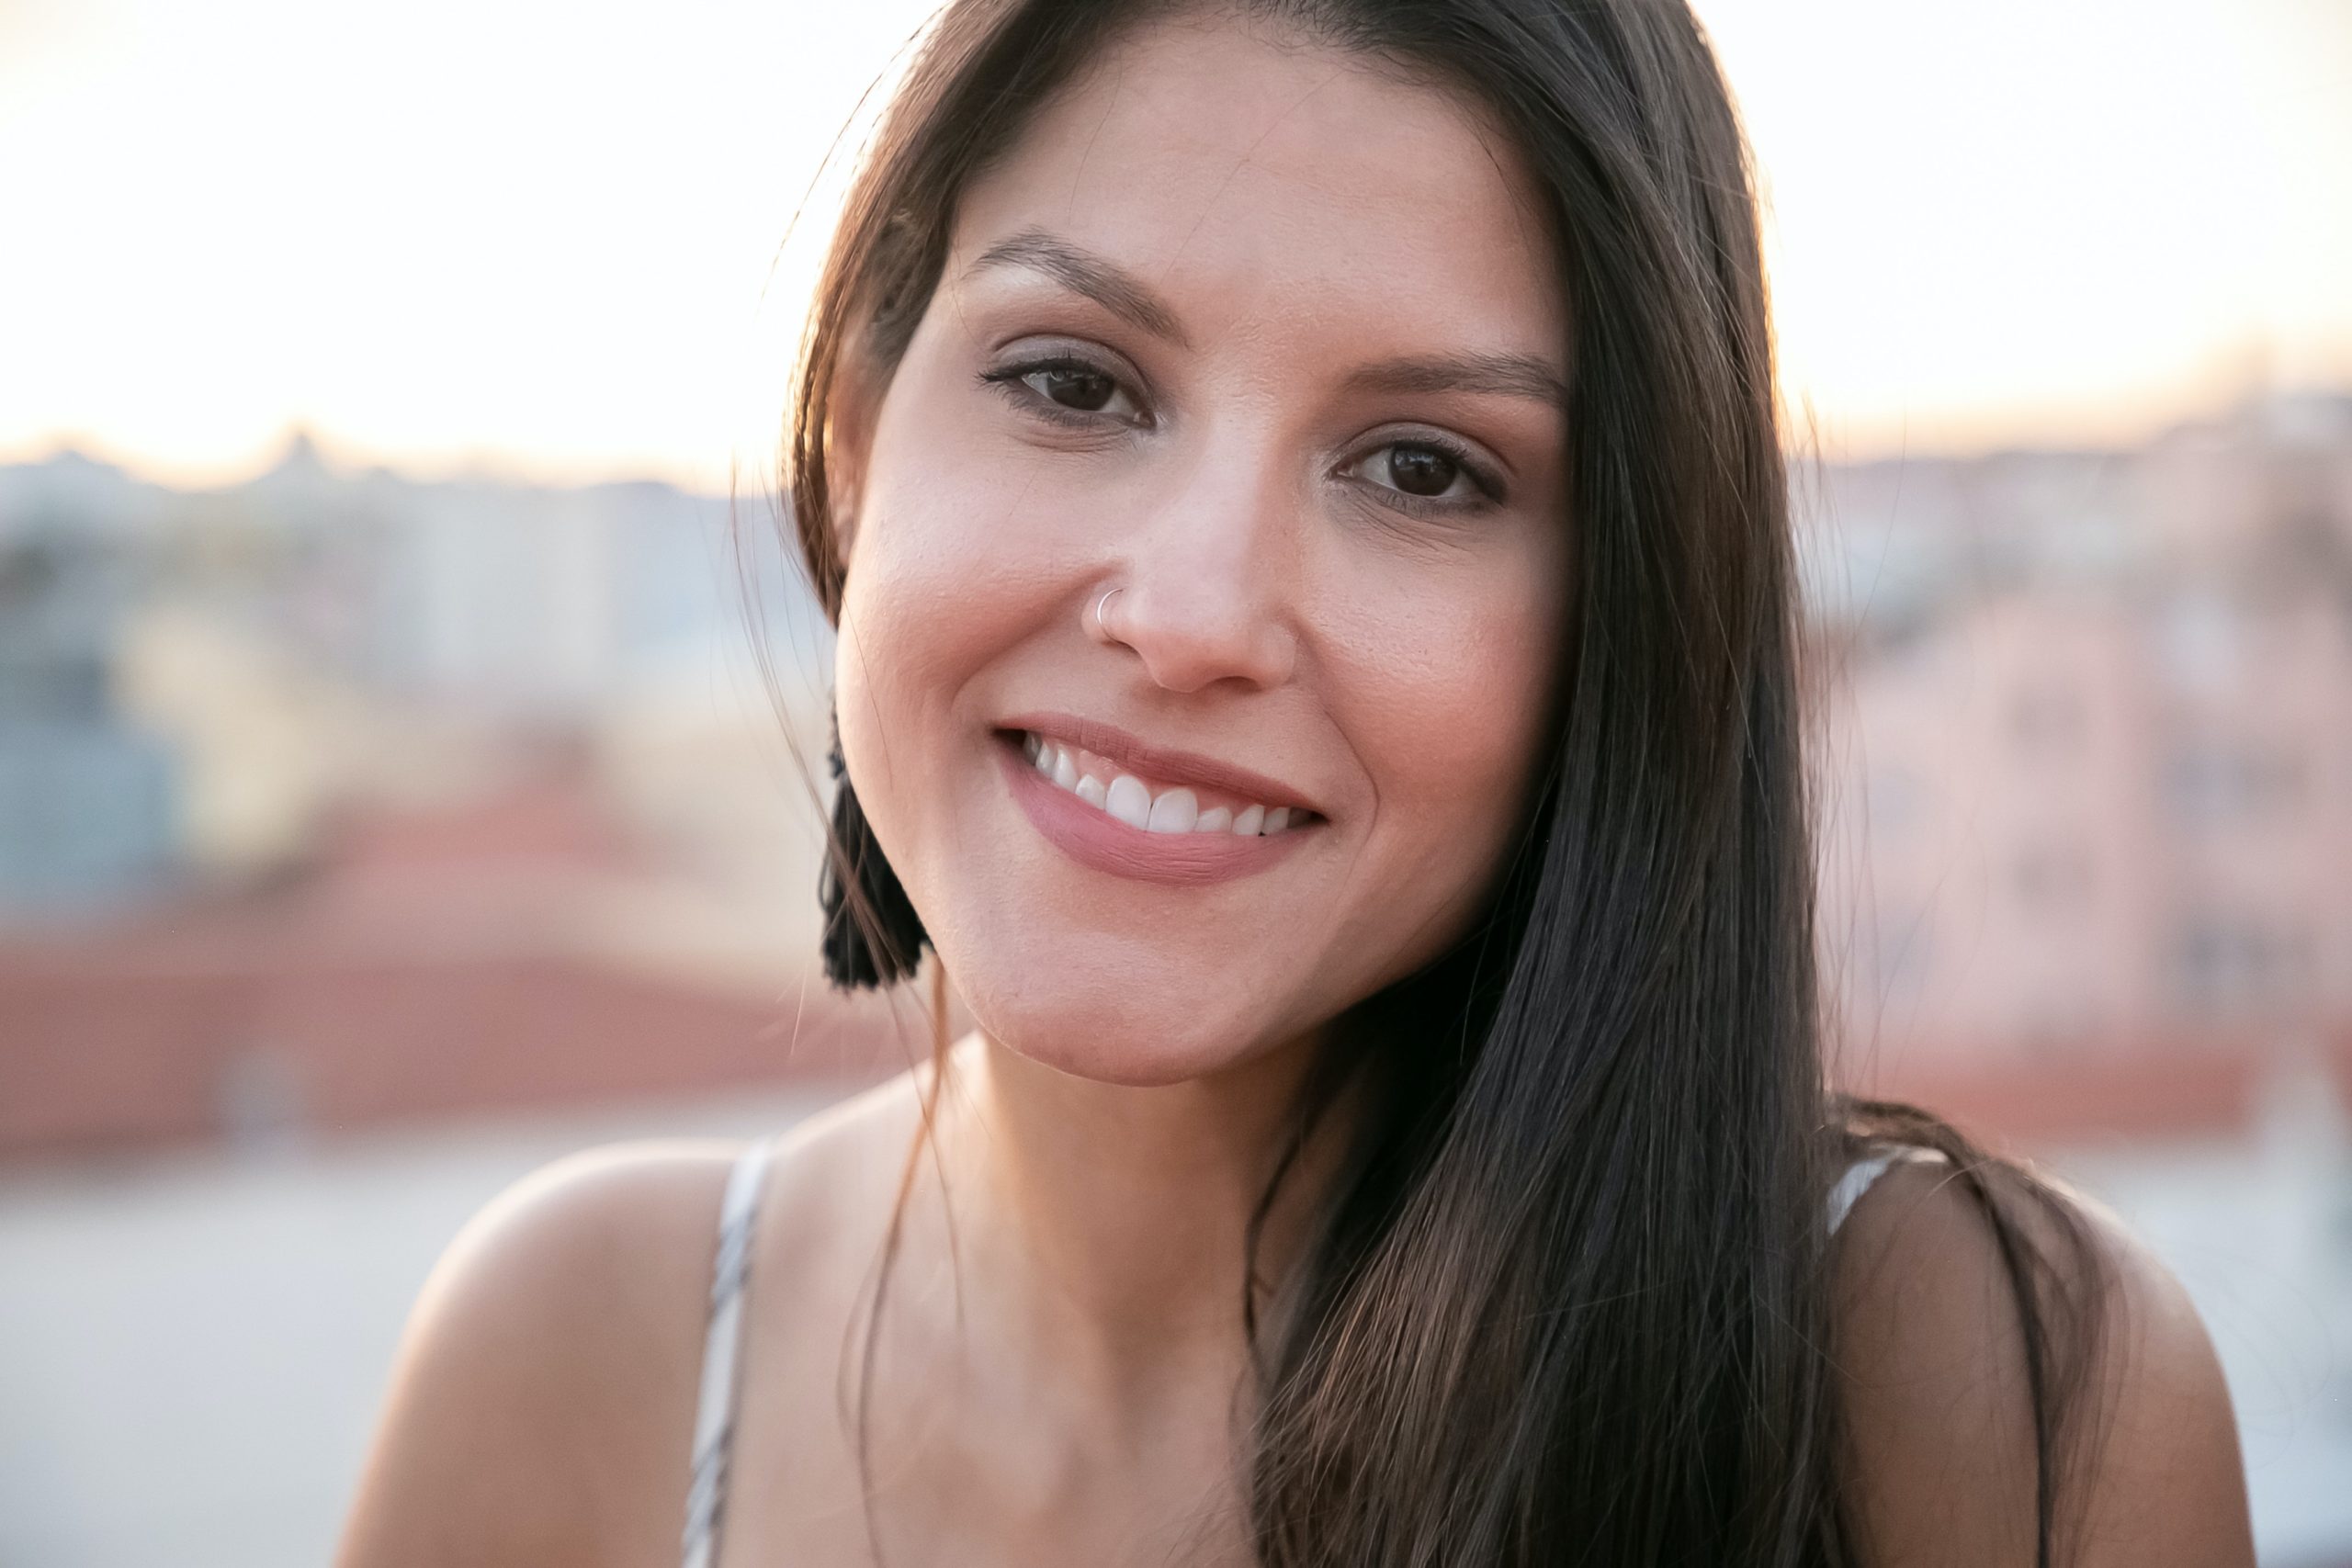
(855, 956)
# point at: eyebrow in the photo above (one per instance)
(1497, 375)
(1126, 297)
(1105, 282)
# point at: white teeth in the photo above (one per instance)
(1127, 798)
(1175, 812)
(1128, 801)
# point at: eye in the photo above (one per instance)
(1427, 474)
(1422, 470)
(1074, 385)
(1066, 390)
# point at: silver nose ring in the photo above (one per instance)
(1101, 624)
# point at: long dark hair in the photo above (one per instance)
(1568, 1300)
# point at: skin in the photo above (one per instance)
(1942, 1445)
(1281, 607)
(1062, 1336)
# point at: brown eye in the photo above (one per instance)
(1428, 476)
(1421, 470)
(1066, 391)
(1075, 387)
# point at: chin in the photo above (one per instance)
(1104, 1035)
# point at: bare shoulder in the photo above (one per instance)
(1930, 1344)
(541, 1408)
(550, 1355)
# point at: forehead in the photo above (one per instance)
(1250, 178)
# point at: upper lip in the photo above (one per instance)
(1116, 745)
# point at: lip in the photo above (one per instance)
(1101, 841)
(1160, 763)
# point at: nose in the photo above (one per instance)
(1206, 590)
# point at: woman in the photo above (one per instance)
(1298, 486)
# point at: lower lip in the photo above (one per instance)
(1101, 840)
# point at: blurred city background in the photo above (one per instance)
(409, 717)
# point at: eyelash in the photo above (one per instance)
(1009, 381)
(1490, 490)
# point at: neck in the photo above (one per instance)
(1106, 1224)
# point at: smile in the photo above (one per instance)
(1113, 820)
(1155, 809)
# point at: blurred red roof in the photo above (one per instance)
(2141, 1090)
(423, 961)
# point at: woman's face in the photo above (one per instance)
(1271, 345)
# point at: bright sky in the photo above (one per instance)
(543, 238)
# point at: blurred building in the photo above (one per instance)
(2088, 770)
(315, 633)
(2084, 767)
(334, 798)
(87, 794)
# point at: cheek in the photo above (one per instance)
(1451, 693)
(910, 615)
(955, 560)
(955, 539)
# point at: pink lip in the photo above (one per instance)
(1098, 840)
(1162, 763)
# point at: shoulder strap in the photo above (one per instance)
(715, 1409)
(1863, 1172)
(1854, 1183)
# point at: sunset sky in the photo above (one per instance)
(543, 239)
